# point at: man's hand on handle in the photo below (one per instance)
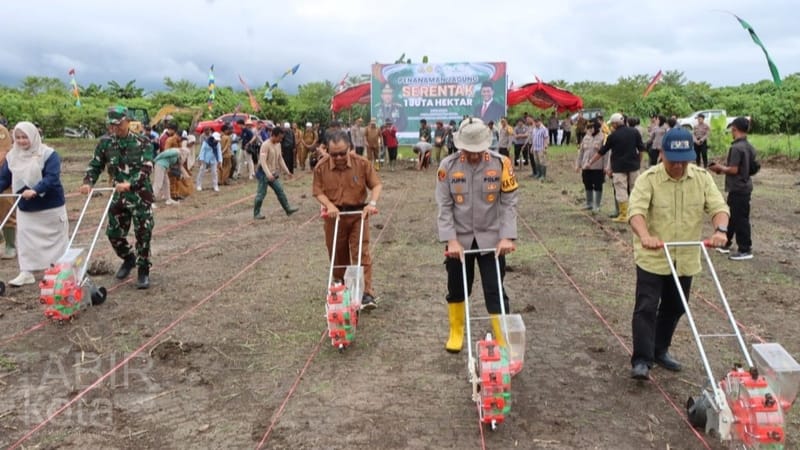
(454, 249)
(505, 246)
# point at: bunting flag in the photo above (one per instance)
(75, 90)
(253, 102)
(291, 71)
(776, 78)
(511, 86)
(341, 85)
(212, 88)
(652, 84)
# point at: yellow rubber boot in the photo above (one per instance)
(623, 213)
(455, 312)
(497, 330)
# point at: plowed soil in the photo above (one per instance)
(226, 349)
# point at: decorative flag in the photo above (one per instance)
(341, 85)
(511, 86)
(776, 78)
(291, 71)
(652, 84)
(253, 102)
(212, 87)
(75, 90)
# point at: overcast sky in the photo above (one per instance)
(573, 40)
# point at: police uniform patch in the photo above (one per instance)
(508, 181)
(459, 199)
(442, 174)
(491, 173)
(490, 198)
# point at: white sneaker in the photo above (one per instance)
(199, 188)
(172, 202)
(216, 188)
(22, 279)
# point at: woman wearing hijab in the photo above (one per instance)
(593, 176)
(33, 170)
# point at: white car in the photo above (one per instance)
(691, 121)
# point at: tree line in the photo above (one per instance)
(50, 103)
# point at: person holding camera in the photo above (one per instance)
(270, 166)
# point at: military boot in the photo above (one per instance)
(143, 281)
(125, 269)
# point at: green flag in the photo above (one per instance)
(776, 78)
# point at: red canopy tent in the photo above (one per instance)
(358, 94)
(544, 96)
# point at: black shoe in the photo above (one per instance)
(666, 361)
(640, 371)
(143, 282)
(291, 211)
(125, 269)
(259, 217)
(368, 303)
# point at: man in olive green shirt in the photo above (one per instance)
(668, 204)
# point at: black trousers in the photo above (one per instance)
(656, 314)
(567, 135)
(553, 132)
(579, 136)
(491, 291)
(593, 179)
(392, 153)
(653, 154)
(503, 151)
(739, 225)
(702, 153)
(519, 153)
(360, 151)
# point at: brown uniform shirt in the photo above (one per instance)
(346, 186)
(173, 141)
(225, 142)
(372, 136)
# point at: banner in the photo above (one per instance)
(408, 93)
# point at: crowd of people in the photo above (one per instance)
(476, 194)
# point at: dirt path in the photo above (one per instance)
(236, 312)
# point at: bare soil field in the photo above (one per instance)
(227, 348)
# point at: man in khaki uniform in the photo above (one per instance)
(10, 228)
(342, 181)
(308, 145)
(477, 197)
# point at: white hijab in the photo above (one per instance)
(26, 165)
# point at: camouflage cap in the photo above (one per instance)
(116, 114)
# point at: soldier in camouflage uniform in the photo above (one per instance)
(130, 162)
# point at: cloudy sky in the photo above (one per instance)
(572, 40)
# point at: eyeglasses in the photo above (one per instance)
(338, 154)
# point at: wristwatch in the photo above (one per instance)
(373, 203)
(722, 229)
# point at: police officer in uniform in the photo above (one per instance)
(130, 162)
(387, 109)
(477, 197)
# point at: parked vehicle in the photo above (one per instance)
(78, 133)
(588, 114)
(230, 118)
(691, 121)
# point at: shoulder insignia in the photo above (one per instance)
(442, 174)
(508, 181)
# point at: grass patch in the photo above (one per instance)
(7, 363)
